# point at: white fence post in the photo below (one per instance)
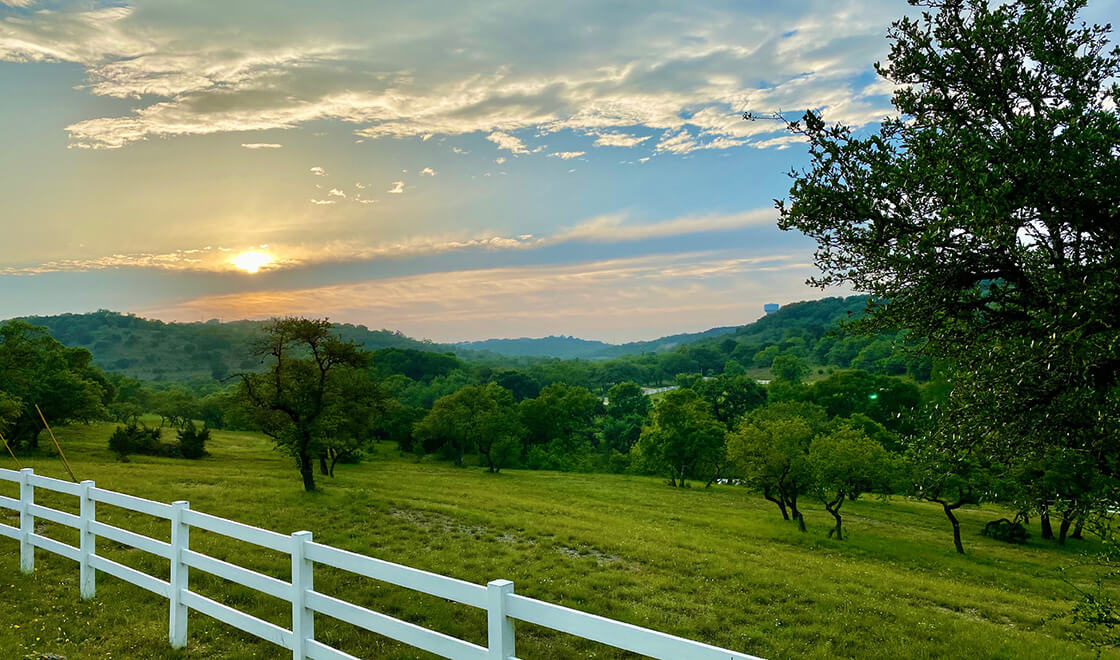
(303, 581)
(501, 639)
(87, 541)
(26, 521)
(180, 541)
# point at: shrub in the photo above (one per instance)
(192, 441)
(1006, 531)
(139, 439)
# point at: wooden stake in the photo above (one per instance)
(9, 448)
(56, 445)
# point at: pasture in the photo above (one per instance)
(716, 565)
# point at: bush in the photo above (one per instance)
(1006, 531)
(138, 439)
(192, 441)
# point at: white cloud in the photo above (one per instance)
(639, 71)
(609, 139)
(362, 200)
(261, 145)
(17, 3)
(566, 155)
(500, 159)
(398, 188)
(360, 186)
(427, 171)
(335, 192)
(461, 152)
(318, 171)
(322, 202)
(508, 142)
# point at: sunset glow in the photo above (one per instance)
(251, 261)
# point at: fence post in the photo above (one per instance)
(26, 521)
(501, 638)
(180, 541)
(87, 541)
(303, 581)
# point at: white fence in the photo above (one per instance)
(502, 605)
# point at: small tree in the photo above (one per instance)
(770, 448)
(120, 443)
(480, 417)
(300, 385)
(789, 368)
(684, 434)
(192, 440)
(845, 463)
(951, 478)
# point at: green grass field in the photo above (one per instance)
(715, 565)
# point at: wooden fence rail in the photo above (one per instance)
(502, 605)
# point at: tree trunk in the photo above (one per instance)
(956, 525)
(1077, 529)
(1044, 520)
(334, 461)
(307, 471)
(781, 505)
(792, 502)
(834, 509)
(323, 469)
(1063, 529)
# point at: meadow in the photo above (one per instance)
(717, 565)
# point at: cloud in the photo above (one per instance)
(508, 142)
(261, 145)
(644, 296)
(335, 192)
(610, 228)
(398, 188)
(637, 75)
(567, 155)
(362, 200)
(17, 3)
(318, 171)
(500, 159)
(608, 139)
(427, 171)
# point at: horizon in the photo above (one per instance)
(473, 172)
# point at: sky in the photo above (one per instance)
(455, 171)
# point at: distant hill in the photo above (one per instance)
(152, 350)
(201, 352)
(569, 348)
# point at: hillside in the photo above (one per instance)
(152, 350)
(717, 565)
(200, 352)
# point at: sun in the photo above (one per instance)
(251, 261)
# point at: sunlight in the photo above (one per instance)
(251, 261)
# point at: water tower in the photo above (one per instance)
(770, 308)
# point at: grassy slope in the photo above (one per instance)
(715, 565)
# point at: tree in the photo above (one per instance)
(35, 369)
(845, 463)
(951, 479)
(770, 447)
(561, 412)
(731, 397)
(627, 399)
(985, 219)
(683, 435)
(480, 417)
(290, 399)
(789, 368)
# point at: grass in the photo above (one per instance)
(715, 565)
